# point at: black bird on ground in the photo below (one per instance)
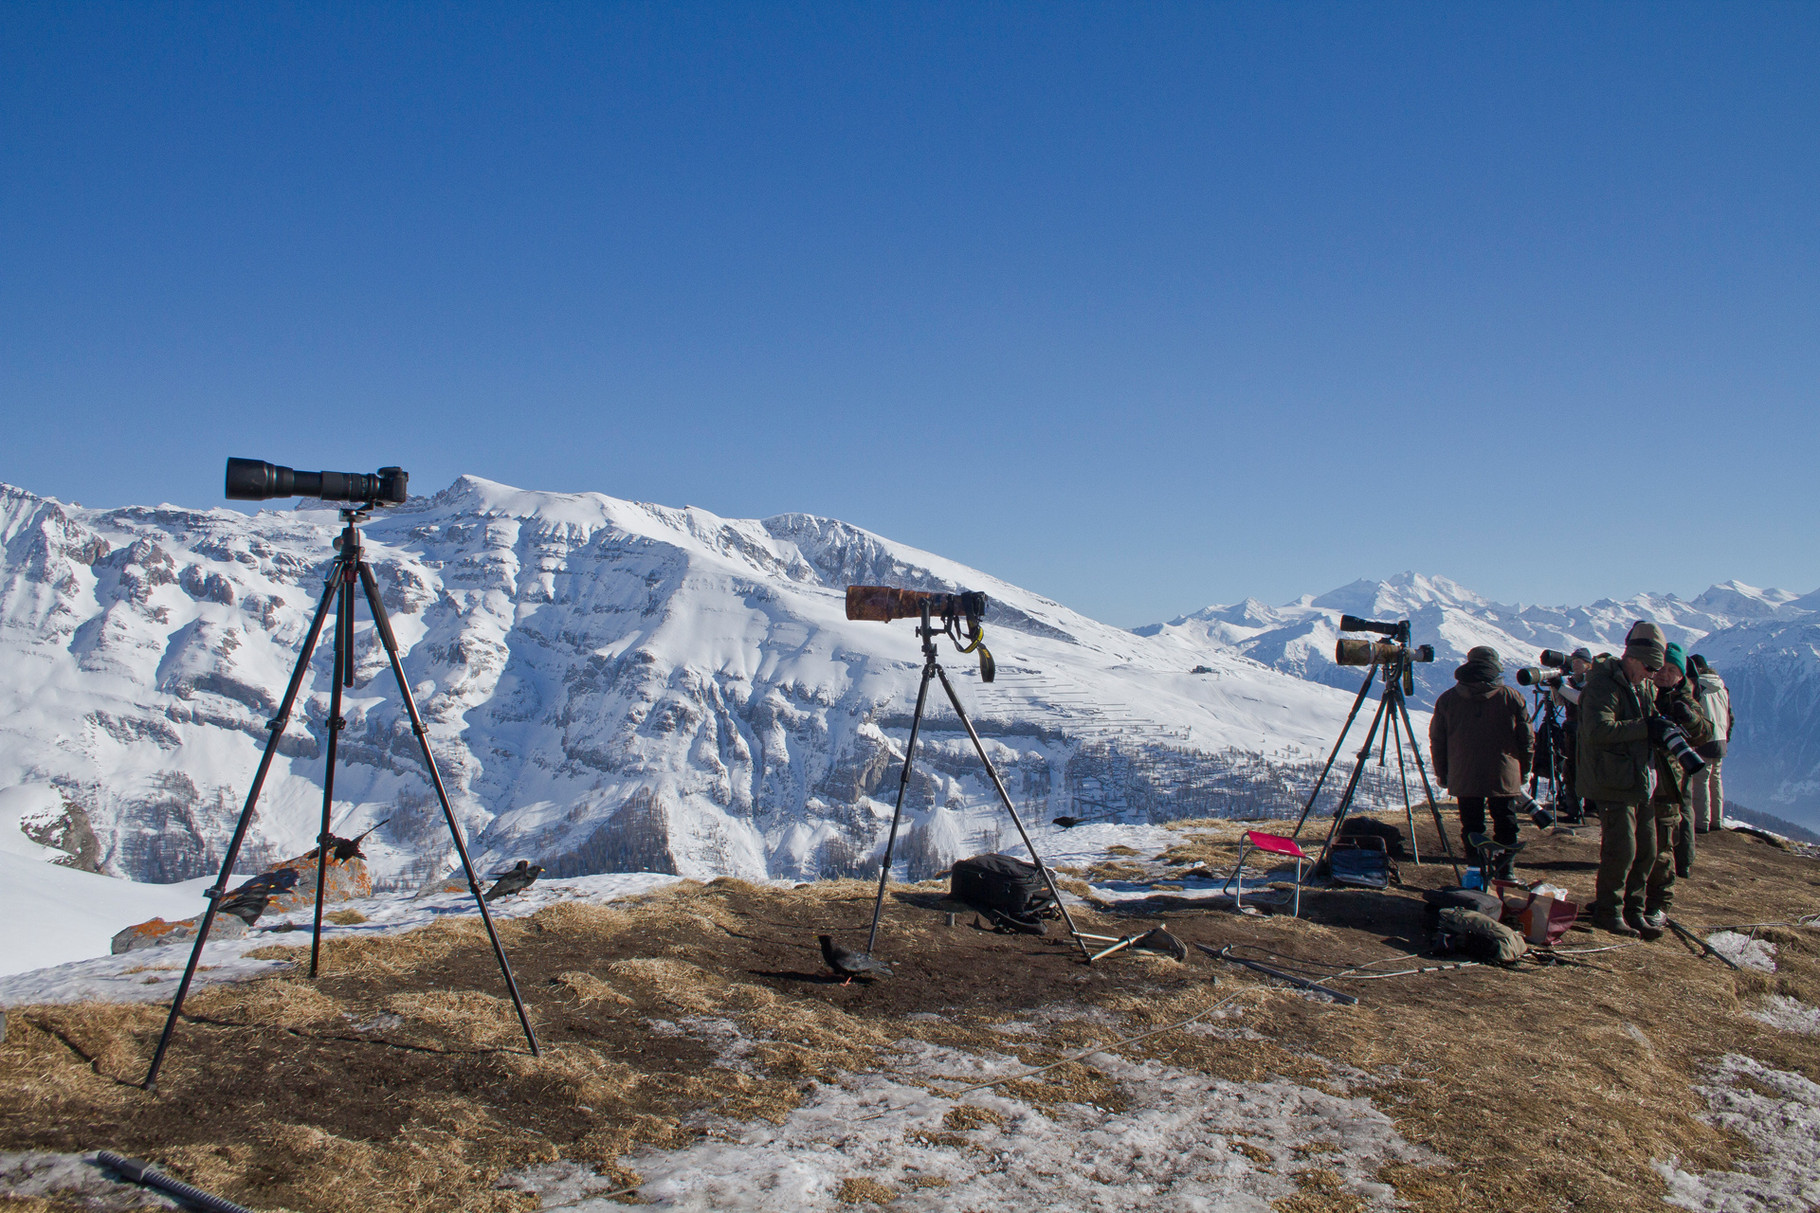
(520, 878)
(851, 964)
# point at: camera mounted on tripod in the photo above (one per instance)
(256, 480)
(1552, 671)
(960, 614)
(1394, 654)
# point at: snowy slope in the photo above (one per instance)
(1765, 643)
(608, 685)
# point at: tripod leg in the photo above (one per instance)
(344, 647)
(1352, 784)
(903, 784)
(1048, 877)
(1428, 788)
(384, 626)
(1409, 812)
(1339, 741)
(276, 725)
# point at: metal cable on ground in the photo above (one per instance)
(145, 1173)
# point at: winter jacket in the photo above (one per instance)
(1716, 702)
(1680, 706)
(1480, 739)
(1613, 764)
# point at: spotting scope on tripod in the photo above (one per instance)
(1395, 659)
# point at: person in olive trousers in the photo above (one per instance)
(1482, 747)
(1673, 803)
(1616, 772)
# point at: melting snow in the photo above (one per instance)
(1789, 1014)
(1779, 1113)
(1743, 950)
(1183, 1141)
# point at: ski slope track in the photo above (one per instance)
(608, 686)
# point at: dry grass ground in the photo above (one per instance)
(399, 1079)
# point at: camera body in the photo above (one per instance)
(256, 480)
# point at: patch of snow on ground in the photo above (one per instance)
(1778, 1111)
(74, 1178)
(1184, 1141)
(1789, 1014)
(1743, 950)
(151, 974)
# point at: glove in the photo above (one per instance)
(1682, 712)
(1659, 727)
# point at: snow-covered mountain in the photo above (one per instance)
(1765, 643)
(608, 686)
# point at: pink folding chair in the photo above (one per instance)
(1274, 844)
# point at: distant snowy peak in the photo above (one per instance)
(1398, 597)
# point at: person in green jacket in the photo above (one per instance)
(1673, 803)
(1616, 773)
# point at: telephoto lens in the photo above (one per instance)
(1554, 659)
(1352, 623)
(1531, 676)
(257, 480)
(884, 603)
(1349, 651)
(1682, 750)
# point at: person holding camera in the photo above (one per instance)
(1481, 743)
(1567, 696)
(1617, 773)
(1715, 700)
(1672, 803)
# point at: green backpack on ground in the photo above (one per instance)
(1478, 936)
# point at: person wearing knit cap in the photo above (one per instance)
(1479, 736)
(1673, 804)
(1616, 772)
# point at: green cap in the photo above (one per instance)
(1677, 658)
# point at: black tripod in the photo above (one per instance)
(1394, 662)
(932, 669)
(348, 566)
(1551, 734)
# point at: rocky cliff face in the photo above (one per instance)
(607, 686)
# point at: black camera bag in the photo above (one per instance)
(1009, 892)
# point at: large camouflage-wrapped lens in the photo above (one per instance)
(1348, 651)
(881, 603)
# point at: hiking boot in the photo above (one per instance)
(1640, 925)
(1654, 918)
(1608, 920)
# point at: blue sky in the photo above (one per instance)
(1141, 306)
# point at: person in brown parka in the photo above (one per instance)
(1482, 746)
